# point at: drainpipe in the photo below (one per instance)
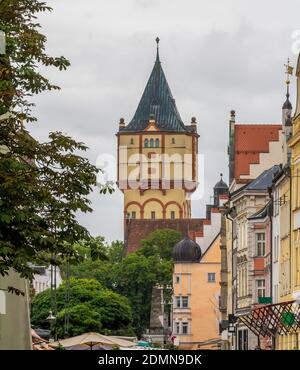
(232, 273)
(271, 252)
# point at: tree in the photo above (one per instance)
(42, 184)
(91, 308)
(160, 242)
(135, 277)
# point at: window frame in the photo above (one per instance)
(260, 244)
(211, 274)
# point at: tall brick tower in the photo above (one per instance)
(157, 155)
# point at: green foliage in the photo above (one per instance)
(160, 242)
(42, 184)
(91, 308)
(134, 278)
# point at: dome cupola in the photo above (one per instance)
(186, 251)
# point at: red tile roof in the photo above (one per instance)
(250, 140)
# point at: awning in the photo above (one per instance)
(272, 319)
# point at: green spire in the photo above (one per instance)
(157, 102)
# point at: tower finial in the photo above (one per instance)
(288, 72)
(157, 49)
(221, 175)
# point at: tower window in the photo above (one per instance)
(156, 143)
(152, 215)
(151, 143)
(131, 141)
(172, 215)
(173, 140)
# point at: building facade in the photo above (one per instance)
(196, 291)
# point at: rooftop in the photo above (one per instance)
(157, 103)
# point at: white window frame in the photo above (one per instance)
(260, 244)
(210, 274)
(187, 326)
(260, 288)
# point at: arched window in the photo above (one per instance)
(151, 143)
(146, 143)
(156, 143)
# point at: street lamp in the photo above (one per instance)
(51, 318)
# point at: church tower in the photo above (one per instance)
(286, 117)
(157, 155)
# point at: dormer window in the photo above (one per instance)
(146, 143)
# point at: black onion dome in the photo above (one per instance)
(186, 251)
(287, 104)
(221, 184)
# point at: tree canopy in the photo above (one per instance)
(91, 308)
(134, 275)
(42, 184)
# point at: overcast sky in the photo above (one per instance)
(217, 56)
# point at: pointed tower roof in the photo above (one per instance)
(157, 103)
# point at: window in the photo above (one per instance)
(2, 303)
(260, 244)
(152, 215)
(178, 302)
(133, 215)
(151, 143)
(185, 327)
(156, 143)
(146, 143)
(243, 339)
(211, 277)
(177, 328)
(172, 215)
(131, 141)
(177, 279)
(184, 302)
(173, 140)
(260, 288)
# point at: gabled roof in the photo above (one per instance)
(251, 140)
(261, 183)
(264, 180)
(157, 102)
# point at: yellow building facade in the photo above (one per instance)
(292, 341)
(196, 291)
(157, 155)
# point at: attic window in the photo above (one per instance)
(173, 140)
(131, 141)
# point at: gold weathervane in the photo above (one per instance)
(288, 71)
